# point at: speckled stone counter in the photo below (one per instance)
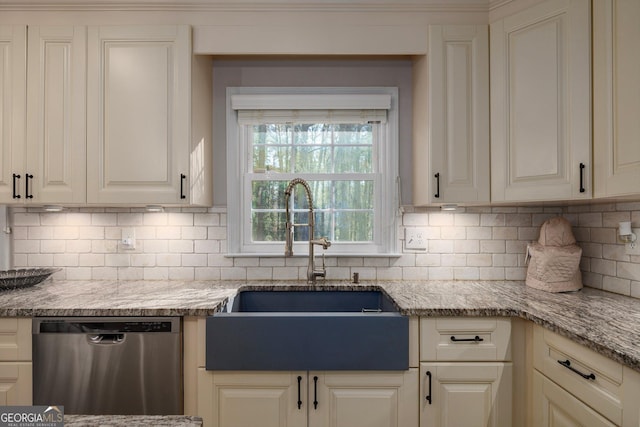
(131, 421)
(605, 322)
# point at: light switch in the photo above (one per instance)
(128, 240)
(415, 238)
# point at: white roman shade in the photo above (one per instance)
(313, 108)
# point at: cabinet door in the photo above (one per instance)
(13, 81)
(465, 394)
(16, 383)
(616, 97)
(457, 146)
(252, 399)
(138, 114)
(540, 103)
(555, 407)
(56, 136)
(363, 399)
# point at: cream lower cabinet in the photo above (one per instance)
(465, 394)
(16, 383)
(555, 407)
(466, 373)
(314, 399)
(575, 386)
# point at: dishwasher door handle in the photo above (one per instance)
(105, 339)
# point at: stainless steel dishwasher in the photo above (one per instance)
(108, 365)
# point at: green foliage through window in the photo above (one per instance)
(338, 162)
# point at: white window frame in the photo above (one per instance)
(238, 178)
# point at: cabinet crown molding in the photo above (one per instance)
(442, 6)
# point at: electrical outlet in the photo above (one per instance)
(633, 248)
(415, 238)
(128, 239)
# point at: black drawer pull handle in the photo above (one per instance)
(437, 177)
(474, 339)
(429, 395)
(315, 393)
(28, 177)
(182, 178)
(299, 398)
(15, 178)
(582, 166)
(567, 364)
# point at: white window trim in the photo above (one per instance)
(387, 211)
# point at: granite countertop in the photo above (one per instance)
(605, 322)
(131, 421)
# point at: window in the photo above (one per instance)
(343, 144)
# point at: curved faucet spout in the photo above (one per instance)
(312, 273)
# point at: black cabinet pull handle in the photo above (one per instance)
(429, 395)
(437, 177)
(582, 166)
(28, 177)
(567, 364)
(15, 178)
(474, 339)
(182, 178)
(315, 393)
(299, 398)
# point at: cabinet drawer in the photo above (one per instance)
(15, 339)
(465, 339)
(552, 403)
(602, 389)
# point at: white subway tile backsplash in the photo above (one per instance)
(486, 243)
(466, 273)
(180, 218)
(194, 233)
(492, 219)
(479, 260)
(604, 235)
(104, 219)
(428, 260)
(466, 219)
(194, 260)
(617, 285)
(207, 273)
(182, 273)
(628, 270)
(592, 219)
(493, 246)
(603, 266)
(441, 273)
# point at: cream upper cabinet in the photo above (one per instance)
(616, 97)
(13, 85)
(451, 117)
(540, 103)
(138, 114)
(56, 115)
(43, 136)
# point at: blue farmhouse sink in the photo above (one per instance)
(308, 330)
